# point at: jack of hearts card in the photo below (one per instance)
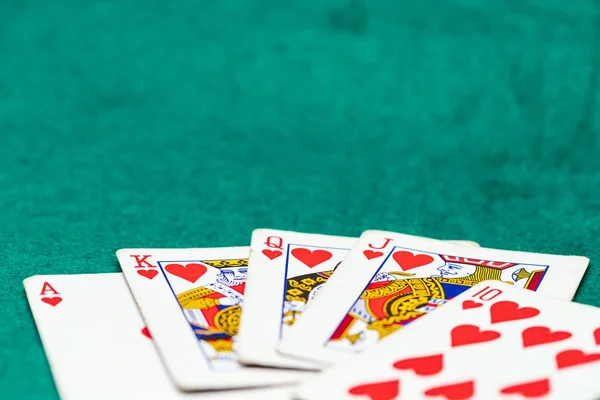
(286, 272)
(377, 291)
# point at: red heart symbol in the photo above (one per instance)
(425, 366)
(386, 390)
(455, 391)
(53, 301)
(529, 389)
(311, 258)
(370, 254)
(272, 254)
(504, 311)
(147, 273)
(470, 334)
(537, 335)
(407, 260)
(597, 335)
(570, 358)
(146, 332)
(190, 272)
(467, 304)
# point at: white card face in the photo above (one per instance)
(389, 279)
(97, 344)
(494, 341)
(191, 300)
(286, 272)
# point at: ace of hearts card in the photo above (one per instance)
(98, 346)
(192, 301)
(388, 280)
(494, 341)
(286, 272)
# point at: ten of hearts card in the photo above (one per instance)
(494, 341)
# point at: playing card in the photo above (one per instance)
(98, 346)
(494, 341)
(391, 279)
(286, 271)
(191, 300)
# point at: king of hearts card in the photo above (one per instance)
(213, 306)
(191, 300)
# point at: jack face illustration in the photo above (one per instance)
(397, 294)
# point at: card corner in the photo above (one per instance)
(27, 281)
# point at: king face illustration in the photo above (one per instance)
(213, 309)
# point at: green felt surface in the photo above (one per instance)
(164, 124)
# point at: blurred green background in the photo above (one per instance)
(164, 124)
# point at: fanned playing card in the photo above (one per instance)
(388, 280)
(192, 300)
(494, 341)
(97, 345)
(286, 272)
